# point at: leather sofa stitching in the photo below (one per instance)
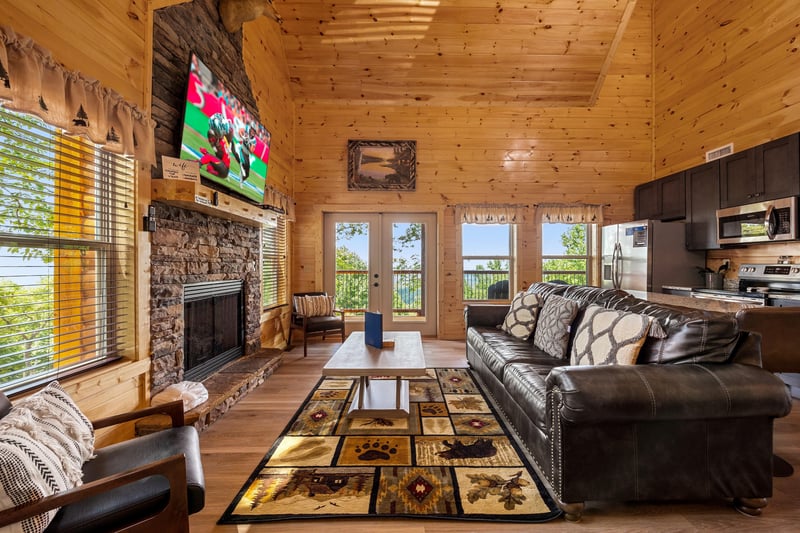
(650, 392)
(725, 390)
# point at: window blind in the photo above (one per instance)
(66, 253)
(273, 262)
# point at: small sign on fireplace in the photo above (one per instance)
(180, 169)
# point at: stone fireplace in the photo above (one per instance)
(211, 264)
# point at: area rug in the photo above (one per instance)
(451, 458)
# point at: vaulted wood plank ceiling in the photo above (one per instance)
(451, 52)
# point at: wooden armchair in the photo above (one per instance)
(145, 484)
(313, 324)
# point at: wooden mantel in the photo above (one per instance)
(197, 197)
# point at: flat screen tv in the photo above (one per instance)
(230, 144)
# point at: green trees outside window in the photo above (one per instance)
(565, 253)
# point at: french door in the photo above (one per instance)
(383, 262)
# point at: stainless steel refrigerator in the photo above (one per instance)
(645, 255)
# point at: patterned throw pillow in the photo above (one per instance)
(609, 337)
(520, 320)
(317, 305)
(44, 441)
(552, 330)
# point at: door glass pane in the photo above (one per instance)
(407, 269)
(352, 267)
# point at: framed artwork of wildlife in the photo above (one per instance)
(381, 165)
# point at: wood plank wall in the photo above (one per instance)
(521, 155)
(725, 72)
(269, 78)
(106, 41)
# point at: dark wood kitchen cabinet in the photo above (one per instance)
(702, 202)
(765, 172)
(662, 199)
(645, 200)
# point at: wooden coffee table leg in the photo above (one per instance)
(362, 390)
(397, 392)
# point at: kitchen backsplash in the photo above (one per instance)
(755, 253)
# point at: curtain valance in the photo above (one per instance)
(31, 81)
(571, 213)
(275, 198)
(489, 213)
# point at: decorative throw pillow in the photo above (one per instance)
(608, 337)
(317, 305)
(552, 329)
(520, 320)
(45, 441)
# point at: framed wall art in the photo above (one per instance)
(381, 165)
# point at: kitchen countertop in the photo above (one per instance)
(687, 301)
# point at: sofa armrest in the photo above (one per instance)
(173, 517)
(487, 315)
(591, 394)
(173, 409)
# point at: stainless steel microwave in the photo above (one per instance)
(771, 220)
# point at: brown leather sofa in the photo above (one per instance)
(692, 420)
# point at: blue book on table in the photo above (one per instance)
(373, 329)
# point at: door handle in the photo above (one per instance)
(770, 222)
(375, 284)
(614, 266)
(618, 269)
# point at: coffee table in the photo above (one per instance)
(379, 397)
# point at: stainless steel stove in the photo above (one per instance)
(775, 285)
(779, 283)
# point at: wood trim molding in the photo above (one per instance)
(196, 197)
(612, 50)
(158, 4)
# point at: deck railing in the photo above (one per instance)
(569, 276)
(352, 288)
(352, 292)
(477, 283)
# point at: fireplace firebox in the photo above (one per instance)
(213, 314)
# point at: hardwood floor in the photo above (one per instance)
(233, 446)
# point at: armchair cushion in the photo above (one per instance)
(316, 305)
(44, 440)
(106, 511)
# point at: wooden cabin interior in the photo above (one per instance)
(520, 102)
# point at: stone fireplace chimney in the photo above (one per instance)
(189, 248)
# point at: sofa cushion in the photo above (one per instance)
(608, 337)
(498, 349)
(526, 384)
(44, 440)
(520, 321)
(692, 335)
(552, 328)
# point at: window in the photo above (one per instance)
(564, 252)
(66, 253)
(273, 262)
(487, 260)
